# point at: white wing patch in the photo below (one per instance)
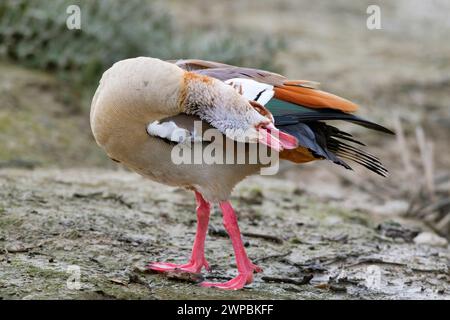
(252, 90)
(169, 130)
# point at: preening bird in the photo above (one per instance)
(144, 108)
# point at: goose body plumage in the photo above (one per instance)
(128, 99)
(141, 102)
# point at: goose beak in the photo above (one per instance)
(276, 139)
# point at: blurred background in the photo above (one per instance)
(400, 75)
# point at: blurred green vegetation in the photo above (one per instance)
(44, 119)
(34, 33)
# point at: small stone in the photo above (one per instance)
(430, 239)
(441, 290)
(122, 282)
(395, 230)
(322, 286)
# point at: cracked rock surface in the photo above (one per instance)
(109, 224)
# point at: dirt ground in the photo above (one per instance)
(110, 224)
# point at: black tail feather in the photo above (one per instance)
(328, 114)
(327, 142)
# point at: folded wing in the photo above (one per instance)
(299, 108)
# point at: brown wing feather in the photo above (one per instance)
(197, 64)
(224, 71)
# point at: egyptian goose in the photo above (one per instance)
(142, 102)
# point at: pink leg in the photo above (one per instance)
(197, 261)
(244, 265)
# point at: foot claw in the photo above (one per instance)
(256, 269)
(207, 267)
(190, 267)
(234, 284)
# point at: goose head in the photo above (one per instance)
(227, 110)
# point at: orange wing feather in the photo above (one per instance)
(313, 98)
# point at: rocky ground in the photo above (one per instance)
(111, 223)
